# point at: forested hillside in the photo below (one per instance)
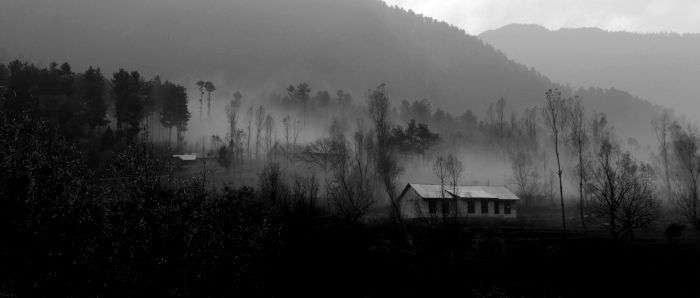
(266, 45)
(276, 148)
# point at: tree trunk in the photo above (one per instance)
(694, 202)
(208, 104)
(668, 177)
(561, 187)
(170, 136)
(580, 186)
(613, 222)
(250, 154)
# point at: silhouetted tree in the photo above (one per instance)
(232, 115)
(687, 157)
(578, 142)
(210, 88)
(259, 126)
(174, 111)
(385, 158)
(93, 93)
(322, 99)
(350, 186)
(343, 98)
(524, 172)
(269, 130)
(555, 113)
(128, 89)
(200, 85)
(441, 172)
(622, 191)
(662, 129)
(415, 139)
(500, 110)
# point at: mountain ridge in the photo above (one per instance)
(262, 45)
(659, 67)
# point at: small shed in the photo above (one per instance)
(426, 200)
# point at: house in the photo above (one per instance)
(186, 157)
(426, 200)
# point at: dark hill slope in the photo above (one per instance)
(253, 44)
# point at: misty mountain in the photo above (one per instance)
(661, 67)
(265, 45)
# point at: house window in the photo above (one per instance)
(506, 207)
(496, 207)
(470, 207)
(445, 207)
(484, 207)
(432, 207)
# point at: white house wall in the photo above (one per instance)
(414, 206)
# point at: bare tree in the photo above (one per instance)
(578, 142)
(441, 171)
(500, 116)
(304, 195)
(554, 112)
(269, 129)
(455, 168)
(524, 152)
(250, 131)
(687, 158)
(232, 110)
(296, 131)
(210, 88)
(259, 122)
(287, 125)
(351, 185)
(200, 86)
(662, 128)
(385, 157)
(622, 191)
(524, 172)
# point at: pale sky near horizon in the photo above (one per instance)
(476, 16)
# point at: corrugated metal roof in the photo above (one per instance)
(429, 191)
(433, 191)
(186, 157)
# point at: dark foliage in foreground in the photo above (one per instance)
(130, 228)
(115, 221)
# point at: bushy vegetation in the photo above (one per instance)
(96, 206)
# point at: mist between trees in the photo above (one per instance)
(87, 163)
(545, 153)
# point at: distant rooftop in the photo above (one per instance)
(433, 191)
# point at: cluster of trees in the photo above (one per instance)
(348, 165)
(549, 147)
(133, 228)
(679, 158)
(83, 105)
(561, 132)
(258, 133)
(299, 99)
(367, 164)
(614, 190)
(255, 138)
(556, 144)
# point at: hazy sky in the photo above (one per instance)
(476, 16)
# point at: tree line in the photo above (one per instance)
(88, 105)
